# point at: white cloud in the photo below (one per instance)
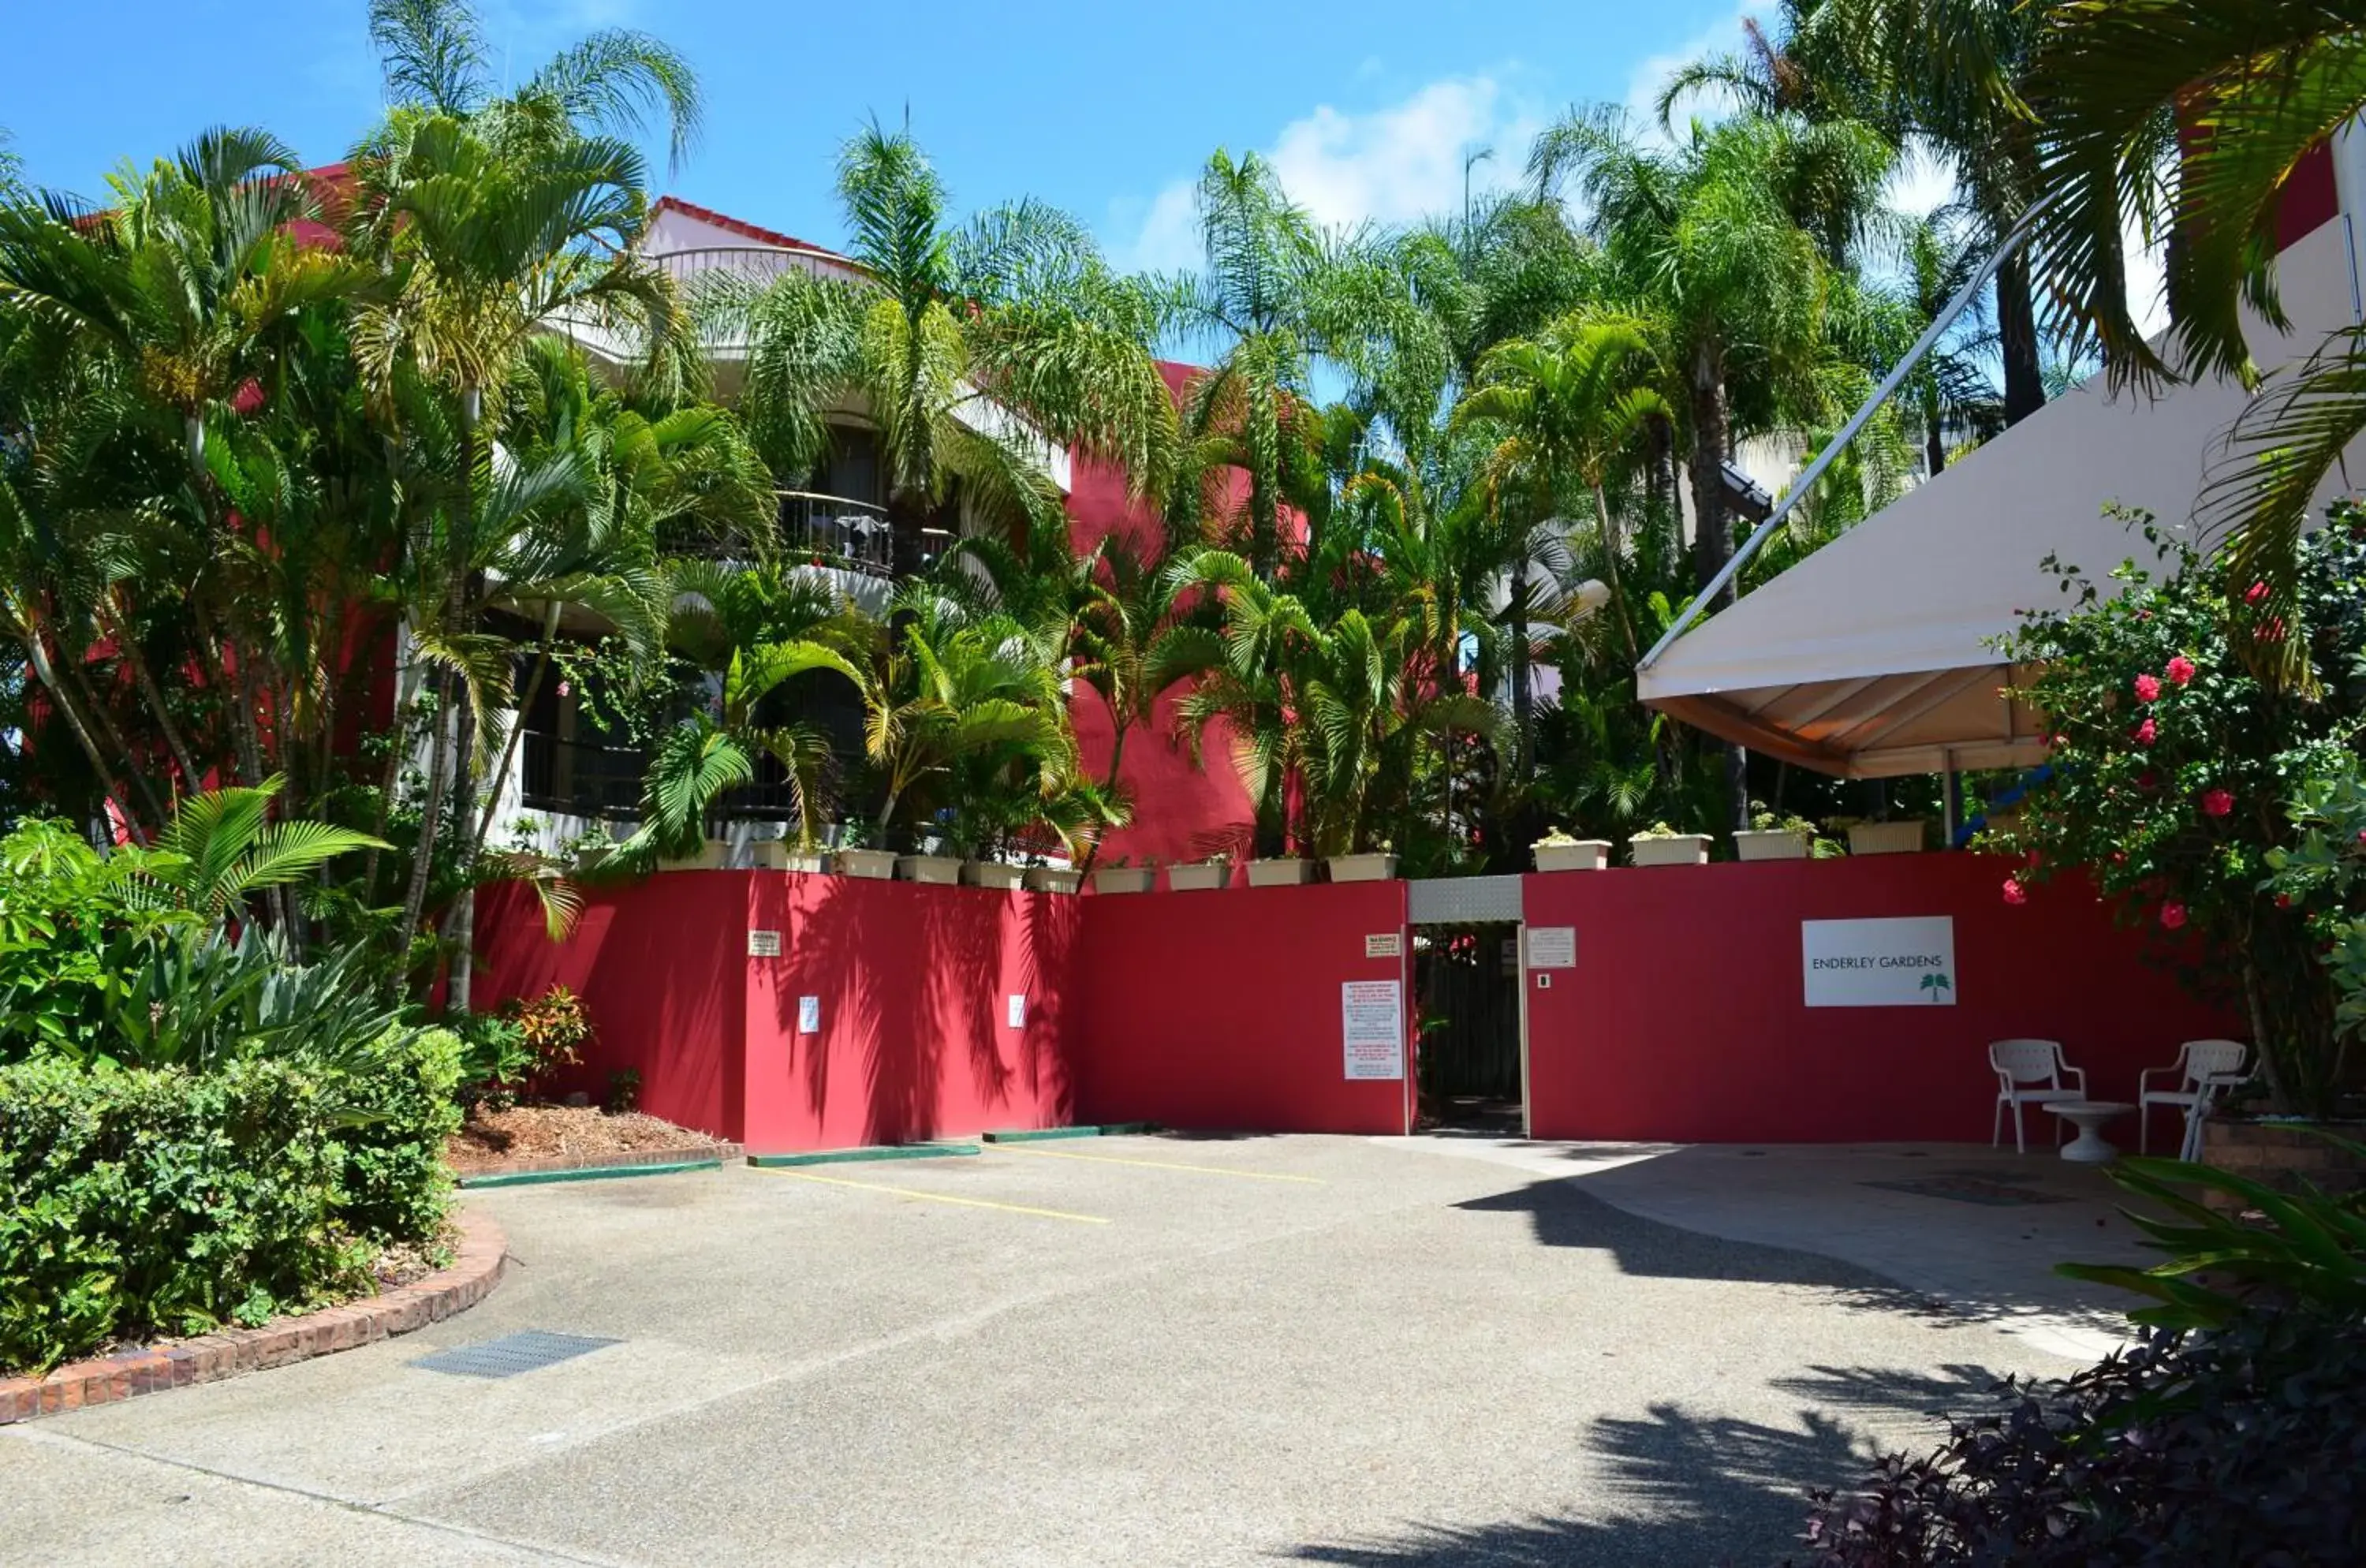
(1396, 164)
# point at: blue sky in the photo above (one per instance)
(1105, 109)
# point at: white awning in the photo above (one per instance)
(1869, 658)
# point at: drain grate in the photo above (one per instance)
(512, 1354)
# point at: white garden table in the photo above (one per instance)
(2089, 1116)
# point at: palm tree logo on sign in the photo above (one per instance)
(1937, 984)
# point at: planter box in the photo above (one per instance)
(1682, 849)
(1585, 854)
(1770, 846)
(1125, 879)
(1052, 879)
(1207, 876)
(993, 874)
(713, 857)
(1885, 837)
(942, 870)
(778, 855)
(1381, 867)
(877, 865)
(2281, 1154)
(1281, 873)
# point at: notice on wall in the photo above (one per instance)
(1015, 1013)
(1553, 947)
(1384, 944)
(1371, 1020)
(1879, 963)
(763, 945)
(808, 1015)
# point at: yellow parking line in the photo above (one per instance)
(1157, 1165)
(939, 1197)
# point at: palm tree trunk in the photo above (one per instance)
(414, 898)
(1934, 445)
(119, 628)
(2024, 375)
(1713, 540)
(1523, 699)
(1609, 532)
(517, 724)
(67, 708)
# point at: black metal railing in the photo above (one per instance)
(580, 777)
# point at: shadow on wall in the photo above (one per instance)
(912, 984)
(1682, 1489)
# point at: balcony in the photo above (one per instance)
(581, 778)
(758, 264)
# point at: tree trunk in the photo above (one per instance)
(423, 857)
(517, 723)
(119, 627)
(1610, 569)
(1523, 701)
(2024, 375)
(1934, 445)
(1713, 536)
(72, 713)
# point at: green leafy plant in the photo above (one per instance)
(624, 1091)
(2303, 1249)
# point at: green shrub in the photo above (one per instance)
(396, 1186)
(135, 1201)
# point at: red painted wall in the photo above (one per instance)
(913, 982)
(915, 1039)
(1221, 1010)
(660, 968)
(1685, 1021)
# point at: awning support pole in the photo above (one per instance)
(1824, 459)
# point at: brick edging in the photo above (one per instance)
(729, 1154)
(482, 1251)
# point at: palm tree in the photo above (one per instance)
(1567, 406)
(221, 848)
(479, 248)
(436, 57)
(1276, 297)
(968, 349)
(1954, 76)
(2256, 86)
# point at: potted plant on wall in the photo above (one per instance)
(1280, 871)
(1371, 865)
(1208, 875)
(859, 853)
(1557, 850)
(1124, 875)
(1900, 838)
(1770, 837)
(1052, 879)
(1661, 845)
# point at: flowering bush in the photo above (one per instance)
(2172, 770)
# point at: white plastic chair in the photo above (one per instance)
(2030, 1072)
(2202, 1067)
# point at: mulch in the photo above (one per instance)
(536, 1136)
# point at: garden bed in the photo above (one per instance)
(554, 1137)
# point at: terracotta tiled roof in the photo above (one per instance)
(762, 236)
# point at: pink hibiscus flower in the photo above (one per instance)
(2180, 670)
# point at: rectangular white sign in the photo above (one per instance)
(763, 945)
(1879, 963)
(1553, 947)
(1371, 1020)
(1016, 1012)
(808, 1015)
(1384, 944)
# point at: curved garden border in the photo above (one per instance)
(482, 1252)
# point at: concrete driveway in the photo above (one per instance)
(1138, 1350)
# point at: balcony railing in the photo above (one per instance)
(855, 535)
(580, 777)
(758, 264)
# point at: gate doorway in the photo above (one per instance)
(1472, 1068)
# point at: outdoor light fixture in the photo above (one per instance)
(1748, 498)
